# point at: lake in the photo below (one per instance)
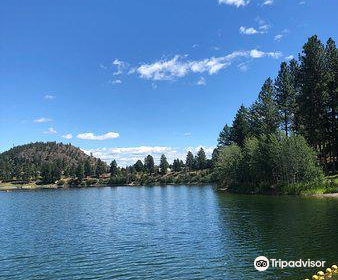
(170, 232)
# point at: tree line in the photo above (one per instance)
(291, 129)
(301, 100)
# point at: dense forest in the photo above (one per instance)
(48, 162)
(286, 141)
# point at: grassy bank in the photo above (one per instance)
(325, 186)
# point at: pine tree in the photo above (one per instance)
(101, 168)
(332, 106)
(139, 166)
(177, 165)
(87, 168)
(264, 112)
(190, 161)
(225, 137)
(285, 97)
(149, 164)
(313, 96)
(80, 171)
(201, 159)
(164, 165)
(240, 126)
(113, 168)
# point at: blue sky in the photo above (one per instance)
(125, 78)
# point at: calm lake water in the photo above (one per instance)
(173, 232)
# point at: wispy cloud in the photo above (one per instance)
(237, 3)
(279, 37)
(201, 82)
(261, 29)
(267, 3)
(289, 57)
(43, 120)
(50, 130)
(92, 136)
(116, 82)
(67, 136)
(179, 66)
(247, 30)
(119, 66)
(49, 97)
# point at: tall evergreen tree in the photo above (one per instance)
(113, 168)
(190, 161)
(264, 112)
(313, 96)
(240, 126)
(164, 165)
(225, 137)
(201, 159)
(332, 106)
(177, 165)
(87, 168)
(139, 166)
(80, 171)
(149, 164)
(285, 97)
(101, 167)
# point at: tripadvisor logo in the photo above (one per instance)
(262, 263)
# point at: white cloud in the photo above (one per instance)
(302, 3)
(247, 30)
(179, 66)
(129, 155)
(115, 82)
(92, 136)
(187, 134)
(236, 3)
(119, 66)
(278, 37)
(201, 82)
(289, 57)
(262, 28)
(243, 66)
(267, 3)
(164, 69)
(49, 97)
(259, 54)
(43, 120)
(50, 130)
(67, 136)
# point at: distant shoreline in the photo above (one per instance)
(32, 187)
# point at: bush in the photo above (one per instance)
(272, 160)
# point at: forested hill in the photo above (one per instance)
(31, 160)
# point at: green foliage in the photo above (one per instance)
(224, 138)
(164, 165)
(201, 160)
(268, 161)
(27, 162)
(240, 126)
(139, 166)
(113, 168)
(190, 161)
(50, 173)
(80, 172)
(149, 164)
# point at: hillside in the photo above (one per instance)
(31, 161)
